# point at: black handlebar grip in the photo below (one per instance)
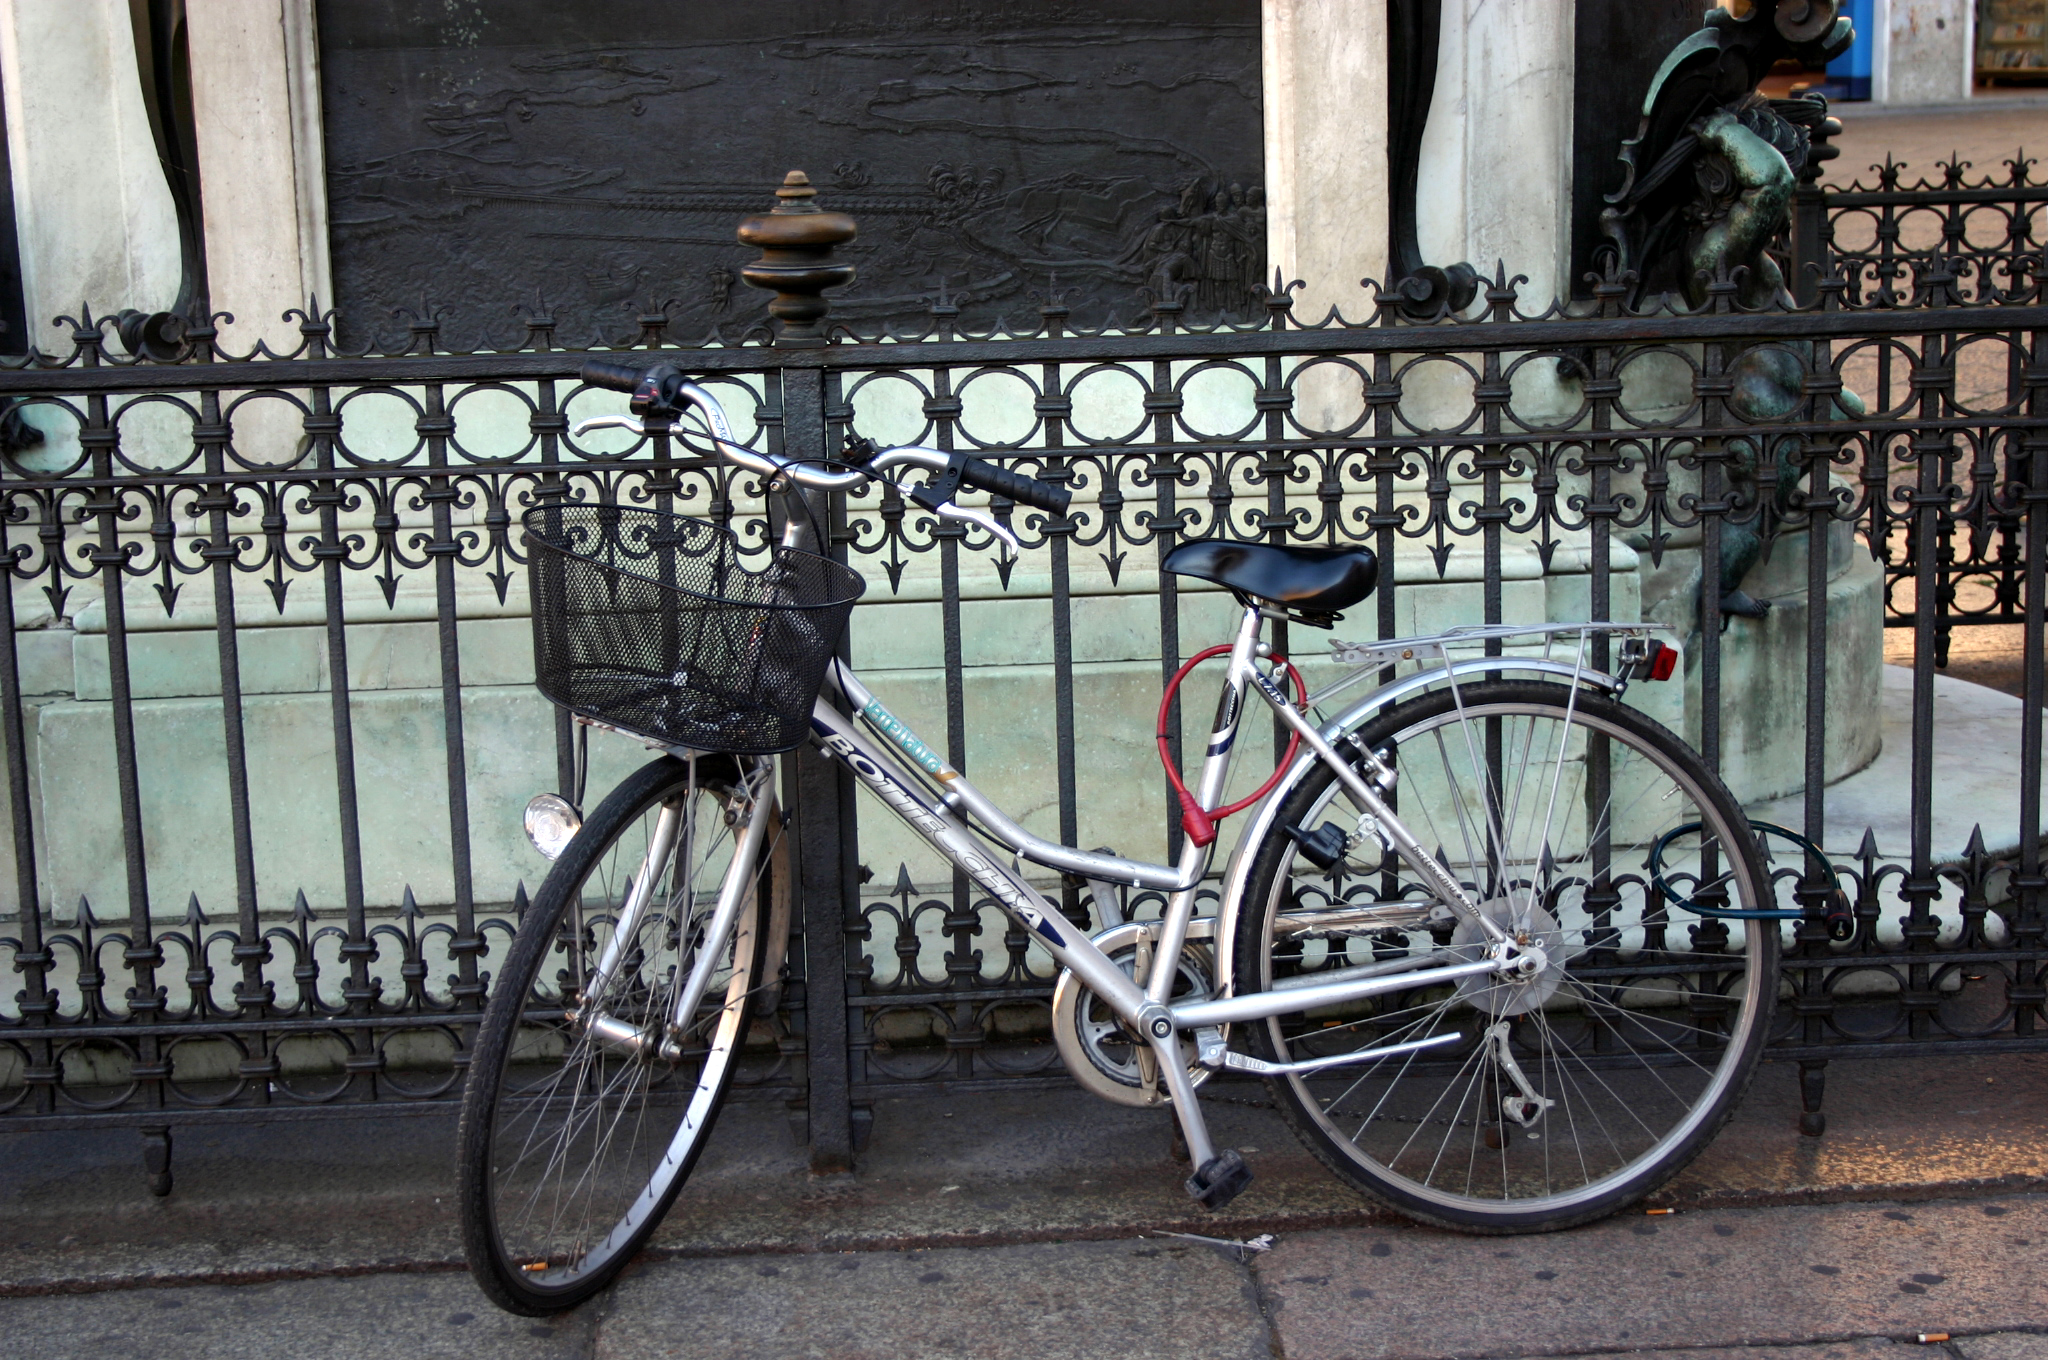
(1016, 486)
(618, 377)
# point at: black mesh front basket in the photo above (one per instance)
(657, 624)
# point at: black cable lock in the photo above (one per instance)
(1840, 919)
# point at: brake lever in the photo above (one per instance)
(594, 423)
(982, 518)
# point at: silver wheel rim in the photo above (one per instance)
(1591, 1088)
(585, 1151)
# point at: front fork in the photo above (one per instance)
(666, 1035)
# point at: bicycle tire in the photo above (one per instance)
(517, 1098)
(1615, 1030)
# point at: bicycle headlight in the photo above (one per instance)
(551, 823)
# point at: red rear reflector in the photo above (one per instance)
(1663, 661)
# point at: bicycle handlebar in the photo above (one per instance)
(1016, 486)
(662, 391)
(605, 373)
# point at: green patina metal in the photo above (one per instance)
(1710, 178)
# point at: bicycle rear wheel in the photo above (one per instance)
(575, 1139)
(1559, 1099)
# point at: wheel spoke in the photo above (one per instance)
(1628, 1066)
(582, 1141)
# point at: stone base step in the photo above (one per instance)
(1976, 772)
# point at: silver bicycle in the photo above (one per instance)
(1501, 945)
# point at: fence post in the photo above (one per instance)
(796, 240)
(1810, 234)
(2029, 884)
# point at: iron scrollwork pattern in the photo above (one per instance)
(336, 491)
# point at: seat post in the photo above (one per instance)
(1230, 706)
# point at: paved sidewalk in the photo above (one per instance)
(1026, 1226)
(263, 1202)
(1987, 133)
(1858, 1278)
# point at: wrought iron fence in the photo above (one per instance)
(1947, 238)
(1951, 234)
(347, 659)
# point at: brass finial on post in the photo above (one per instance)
(796, 240)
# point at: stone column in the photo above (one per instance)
(255, 97)
(1926, 51)
(1325, 72)
(92, 210)
(1496, 181)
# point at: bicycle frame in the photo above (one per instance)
(960, 822)
(937, 801)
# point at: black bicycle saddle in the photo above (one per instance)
(1316, 580)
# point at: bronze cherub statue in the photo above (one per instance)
(1708, 185)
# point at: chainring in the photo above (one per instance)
(1105, 1058)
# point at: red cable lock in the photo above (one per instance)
(1200, 823)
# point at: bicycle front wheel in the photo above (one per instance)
(1551, 1100)
(588, 1102)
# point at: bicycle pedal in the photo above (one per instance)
(1221, 1179)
